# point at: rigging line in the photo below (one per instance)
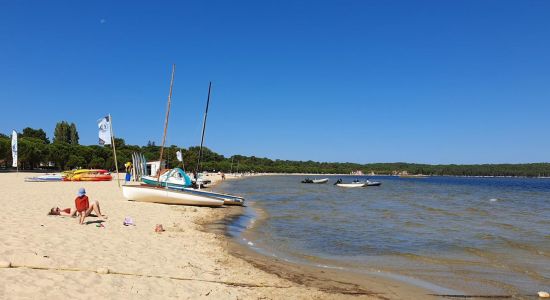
(108, 271)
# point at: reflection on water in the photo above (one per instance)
(489, 235)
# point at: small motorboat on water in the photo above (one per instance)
(307, 180)
(373, 183)
(368, 182)
(349, 185)
(324, 180)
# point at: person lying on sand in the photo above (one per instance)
(83, 208)
(56, 211)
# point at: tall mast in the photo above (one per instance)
(166, 121)
(204, 126)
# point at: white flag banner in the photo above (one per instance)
(104, 131)
(14, 148)
(178, 155)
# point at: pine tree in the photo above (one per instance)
(61, 132)
(65, 133)
(73, 134)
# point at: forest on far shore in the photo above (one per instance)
(36, 151)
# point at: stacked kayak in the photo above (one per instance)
(88, 175)
(46, 178)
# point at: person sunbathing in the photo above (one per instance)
(56, 211)
(83, 207)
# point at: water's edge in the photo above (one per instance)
(249, 234)
(332, 279)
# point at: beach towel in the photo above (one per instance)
(128, 221)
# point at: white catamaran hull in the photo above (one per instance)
(168, 196)
(227, 199)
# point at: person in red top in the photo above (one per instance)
(83, 208)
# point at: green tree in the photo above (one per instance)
(119, 143)
(97, 163)
(59, 154)
(5, 150)
(73, 134)
(35, 133)
(31, 152)
(65, 133)
(61, 133)
(75, 161)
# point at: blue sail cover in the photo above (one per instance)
(176, 172)
(186, 177)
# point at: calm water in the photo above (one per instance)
(476, 235)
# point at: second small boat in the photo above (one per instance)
(368, 183)
(324, 180)
(349, 185)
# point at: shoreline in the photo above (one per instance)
(397, 176)
(187, 261)
(327, 279)
(240, 175)
(55, 257)
(337, 282)
(289, 264)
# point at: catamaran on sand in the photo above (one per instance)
(175, 187)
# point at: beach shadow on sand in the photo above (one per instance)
(94, 222)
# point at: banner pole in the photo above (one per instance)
(16, 156)
(114, 148)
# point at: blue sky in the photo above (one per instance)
(345, 81)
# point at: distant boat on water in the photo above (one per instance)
(307, 180)
(368, 182)
(373, 183)
(324, 180)
(349, 185)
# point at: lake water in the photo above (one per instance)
(451, 234)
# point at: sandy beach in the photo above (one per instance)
(55, 257)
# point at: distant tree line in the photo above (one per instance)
(65, 152)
